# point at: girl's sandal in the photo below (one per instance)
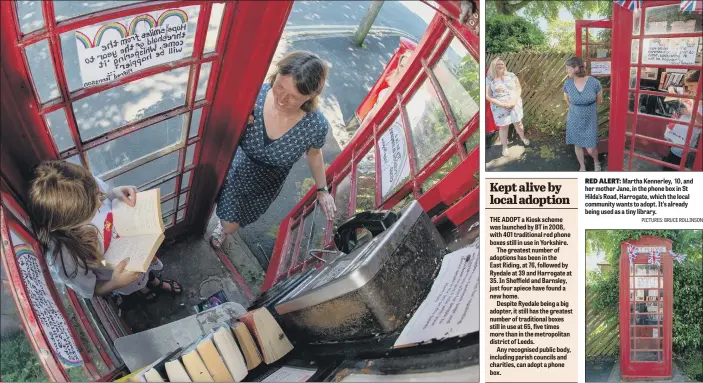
(173, 285)
(218, 236)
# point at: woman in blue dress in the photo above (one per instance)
(583, 93)
(284, 125)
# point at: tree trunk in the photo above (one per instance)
(367, 22)
(506, 7)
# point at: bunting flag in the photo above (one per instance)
(631, 253)
(678, 257)
(654, 258)
(691, 5)
(630, 4)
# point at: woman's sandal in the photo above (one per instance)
(597, 167)
(218, 236)
(171, 283)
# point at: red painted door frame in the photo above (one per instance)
(623, 20)
(453, 192)
(634, 370)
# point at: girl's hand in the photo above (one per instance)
(126, 194)
(327, 204)
(122, 277)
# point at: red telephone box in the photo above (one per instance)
(646, 308)
(652, 49)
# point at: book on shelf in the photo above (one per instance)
(155, 371)
(226, 345)
(140, 229)
(272, 341)
(195, 365)
(176, 372)
(251, 352)
(213, 361)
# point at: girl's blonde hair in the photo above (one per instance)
(63, 198)
(309, 75)
(492, 67)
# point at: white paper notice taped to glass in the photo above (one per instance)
(670, 51)
(395, 163)
(110, 51)
(452, 306)
(600, 68)
(290, 374)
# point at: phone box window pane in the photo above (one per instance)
(458, 75)
(147, 172)
(42, 71)
(213, 29)
(30, 16)
(670, 19)
(342, 196)
(394, 157)
(182, 200)
(180, 216)
(58, 125)
(167, 188)
(320, 229)
(136, 145)
(76, 160)
(307, 231)
(168, 207)
(190, 153)
(285, 261)
(70, 51)
(168, 221)
(203, 80)
(185, 181)
(366, 182)
(69, 9)
(131, 102)
(195, 122)
(440, 173)
(428, 123)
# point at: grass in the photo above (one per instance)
(691, 365)
(18, 362)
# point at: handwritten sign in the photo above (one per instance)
(672, 51)
(451, 308)
(395, 164)
(646, 283)
(600, 68)
(110, 51)
(50, 318)
(649, 249)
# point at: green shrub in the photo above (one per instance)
(508, 33)
(18, 362)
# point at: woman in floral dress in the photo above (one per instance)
(503, 91)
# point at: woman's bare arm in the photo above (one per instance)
(518, 91)
(599, 97)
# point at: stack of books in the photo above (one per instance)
(226, 354)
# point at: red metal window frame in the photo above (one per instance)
(622, 47)
(642, 370)
(440, 33)
(52, 366)
(51, 32)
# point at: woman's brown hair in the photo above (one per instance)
(692, 76)
(577, 62)
(309, 75)
(63, 198)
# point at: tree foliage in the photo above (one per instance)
(549, 10)
(507, 33)
(688, 279)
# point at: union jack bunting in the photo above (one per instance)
(678, 257)
(691, 5)
(654, 258)
(631, 253)
(629, 4)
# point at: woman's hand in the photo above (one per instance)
(122, 277)
(126, 194)
(327, 204)
(508, 105)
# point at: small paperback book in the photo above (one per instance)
(215, 300)
(224, 340)
(213, 361)
(195, 366)
(247, 344)
(273, 342)
(140, 229)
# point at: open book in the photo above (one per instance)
(141, 231)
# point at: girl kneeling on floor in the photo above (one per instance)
(72, 213)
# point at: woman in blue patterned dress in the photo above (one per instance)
(504, 92)
(583, 94)
(284, 125)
